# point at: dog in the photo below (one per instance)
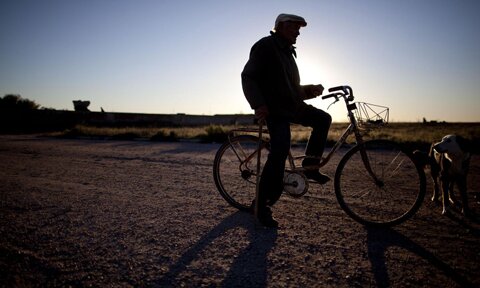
(449, 161)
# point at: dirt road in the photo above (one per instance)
(134, 214)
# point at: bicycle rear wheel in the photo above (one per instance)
(378, 183)
(235, 170)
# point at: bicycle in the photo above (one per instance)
(377, 182)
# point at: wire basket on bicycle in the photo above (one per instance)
(371, 116)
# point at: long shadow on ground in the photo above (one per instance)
(249, 269)
(379, 240)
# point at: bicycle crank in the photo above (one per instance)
(295, 184)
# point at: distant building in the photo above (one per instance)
(81, 106)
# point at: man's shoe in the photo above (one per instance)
(268, 221)
(264, 216)
(316, 176)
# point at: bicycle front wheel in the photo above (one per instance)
(378, 183)
(235, 169)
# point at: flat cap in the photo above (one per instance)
(290, 17)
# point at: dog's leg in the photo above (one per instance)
(451, 194)
(434, 172)
(436, 192)
(445, 185)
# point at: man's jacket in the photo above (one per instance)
(271, 78)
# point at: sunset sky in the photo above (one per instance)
(420, 58)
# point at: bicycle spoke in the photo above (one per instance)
(362, 193)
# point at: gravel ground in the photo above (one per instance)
(143, 214)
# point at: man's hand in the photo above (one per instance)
(261, 113)
(317, 90)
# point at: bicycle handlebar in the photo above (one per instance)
(344, 91)
(339, 88)
(330, 95)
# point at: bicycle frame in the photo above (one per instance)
(346, 93)
(350, 129)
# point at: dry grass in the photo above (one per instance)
(416, 134)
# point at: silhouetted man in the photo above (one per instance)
(271, 84)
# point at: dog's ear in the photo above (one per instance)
(464, 144)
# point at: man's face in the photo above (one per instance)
(289, 30)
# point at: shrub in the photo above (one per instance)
(163, 136)
(15, 103)
(214, 134)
